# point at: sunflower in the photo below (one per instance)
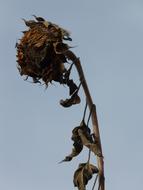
(41, 55)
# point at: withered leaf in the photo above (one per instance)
(94, 147)
(75, 99)
(83, 174)
(83, 133)
(78, 146)
(75, 151)
(82, 126)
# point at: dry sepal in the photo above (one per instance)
(40, 55)
(83, 174)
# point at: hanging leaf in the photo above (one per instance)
(75, 151)
(78, 146)
(94, 147)
(83, 133)
(75, 99)
(78, 179)
(83, 174)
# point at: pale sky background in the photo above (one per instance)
(35, 130)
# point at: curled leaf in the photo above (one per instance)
(94, 147)
(81, 135)
(77, 145)
(75, 99)
(83, 174)
(75, 151)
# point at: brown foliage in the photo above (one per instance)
(83, 174)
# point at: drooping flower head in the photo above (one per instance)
(41, 53)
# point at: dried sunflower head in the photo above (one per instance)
(41, 55)
(40, 51)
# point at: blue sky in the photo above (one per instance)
(35, 131)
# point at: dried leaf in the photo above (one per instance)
(81, 135)
(83, 174)
(78, 146)
(75, 151)
(94, 147)
(79, 179)
(75, 99)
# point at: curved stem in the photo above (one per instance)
(70, 55)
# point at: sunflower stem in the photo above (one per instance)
(70, 55)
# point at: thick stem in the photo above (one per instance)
(70, 55)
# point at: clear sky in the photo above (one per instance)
(35, 130)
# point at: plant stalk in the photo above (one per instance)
(70, 55)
